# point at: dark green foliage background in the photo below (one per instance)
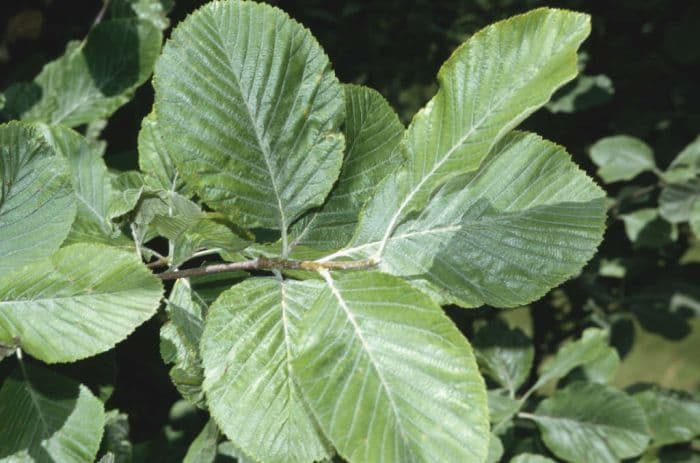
(648, 49)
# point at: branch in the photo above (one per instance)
(264, 263)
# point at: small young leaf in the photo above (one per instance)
(621, 158)
(47, 417)
(501, 406)
(646, 229)
(179, 341)
(398, 382)
(204, 449)
(495, 449)
(79, 302)
(677, 200)
(248, 345)
(591, 422)
(372, 134)
(592, 345)
(504, 354)
(260, 138)
(686, 166)
(673, 417)
(37, 205)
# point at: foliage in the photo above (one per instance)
(324, 254)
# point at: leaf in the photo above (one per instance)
(673, 416)
(96, 76)
(47, 417)
(592, 422)
(260, 140)
(387, 374)
(115, 441)
(590, 347)
(621, 158)
(153, 11)
(490, 84)
(79, 302)
(501, 406)
(179, 341)
(495, 449)
(530, 458)
(604, 367)
(372, 134)
(645, 228)
(686, 166)
(204, 448)
(37, 206)
(504, 354)
(191, 233)
(247, 347)
(128, 187)
(154, 159)
(527, 220)
(677, 200)
(585, 92)
(90, 181)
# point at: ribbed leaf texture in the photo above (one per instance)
(48, 418)
(490, 84)
(249, 109)
(248, 345)
(373, 135)
(388, 376)
(77, 303)
(37, 206)
(524, 222)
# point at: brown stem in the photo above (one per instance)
(264, 263)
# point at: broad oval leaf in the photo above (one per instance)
(591, 422)
(673, 416)
(48, 418)
(527, 220)
(491, 83)
(388, 376)
(373, 135)
(37, 205)
(247, 347)
(154, 159)
(79, 302)
(249, 109)
(621, 157)
(96, 76)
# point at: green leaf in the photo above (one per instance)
(152, 11)
(179, 341)
(388, 376)
(97, 76)
(372, 134)
(495, 449)
(128, 187)
(531, 458)
(621, 158)
(248, 344)
(591, 422)
(37, 205)
(504, 354)
(527, 220)
(604, 367)
(204, 449)
(645, 228)
(501, 406)
(673, 416)
(590, 347)
(694, 219)
(490, 84)
(79, 302)
(90, 181)
(686, 166)
(116, 438)
(48, 418)
(260, 140)
(192, 233)
(585, 92)
(154, 159)
(677, 200)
